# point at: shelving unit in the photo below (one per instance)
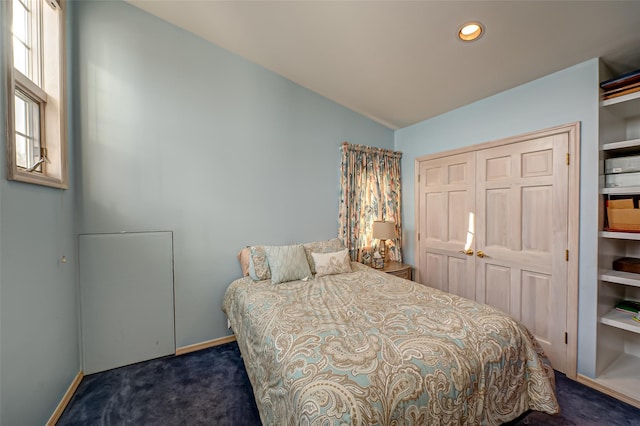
(618, 335)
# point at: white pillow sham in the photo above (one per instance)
(332, 263)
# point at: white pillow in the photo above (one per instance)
(332, 263)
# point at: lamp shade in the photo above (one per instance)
(383, 230)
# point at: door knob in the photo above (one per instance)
(481, 254)
(468, 252)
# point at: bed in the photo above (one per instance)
(362, 347)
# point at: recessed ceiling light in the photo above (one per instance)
(470, 31)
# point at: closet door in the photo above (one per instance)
(522, 224)
(446, 198)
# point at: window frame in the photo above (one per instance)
(35, 96)
(53, 172)
(35, 37)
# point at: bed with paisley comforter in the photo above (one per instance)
(365, 348)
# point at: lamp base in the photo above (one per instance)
(378, 263)
(383, 250)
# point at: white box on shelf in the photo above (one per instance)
(622, 180)
(628, 164)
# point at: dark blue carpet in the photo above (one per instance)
(211, 387)
(208, 387)
(582, 406)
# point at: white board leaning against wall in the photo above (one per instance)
(126, 298)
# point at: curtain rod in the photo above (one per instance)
(365, 148)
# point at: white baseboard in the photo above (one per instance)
(65, 399)
(204, 345)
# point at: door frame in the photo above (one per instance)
(573, 211)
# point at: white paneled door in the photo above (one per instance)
(522, 236)
(493, 227)
(447, 201)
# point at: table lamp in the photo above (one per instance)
(384, 230)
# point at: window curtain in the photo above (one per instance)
(369, 191)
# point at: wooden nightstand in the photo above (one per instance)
(398, 269)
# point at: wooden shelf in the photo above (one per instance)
(620, 277)
(620, 235)
(624, 106)
(621, 320)
(622, 190)
(632, 145)
(621, 379)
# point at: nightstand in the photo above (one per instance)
(398, 269)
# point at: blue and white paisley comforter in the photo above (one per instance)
(365, 348)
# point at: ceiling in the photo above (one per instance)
(399, 62)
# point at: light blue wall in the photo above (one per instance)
(175, 133)
(39, 348)
(564, 97)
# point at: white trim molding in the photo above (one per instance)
(65, 399)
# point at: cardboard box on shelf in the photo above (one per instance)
(622, 216)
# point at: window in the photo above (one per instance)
(36, 143)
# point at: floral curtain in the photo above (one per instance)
(369, 191)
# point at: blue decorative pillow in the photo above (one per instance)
(287, 263)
